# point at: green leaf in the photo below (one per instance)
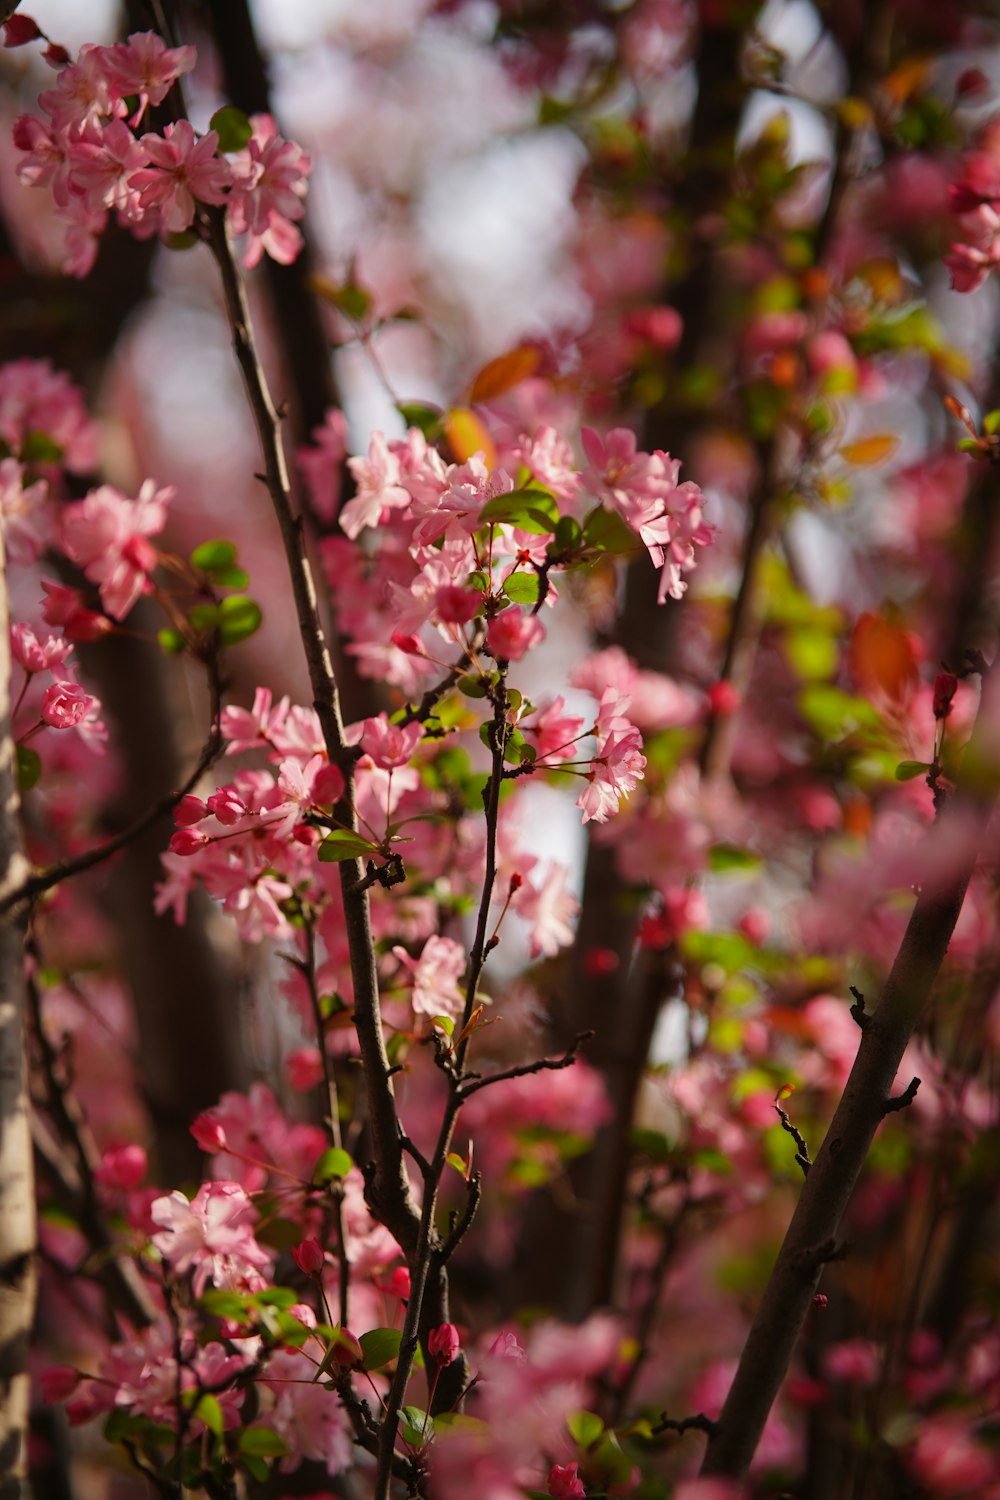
(231, 578)
(210, 557)
(343, 844)
(233, 1306)
(239, 618)
(528, 510)
(256, 1467)
(415, 1426)
(204, 616)
(605, 531)
(909, 770)
(277, 1296)
(568, 534)
(454, 1160)
(333, 1163)
(379, 1346)
(180, 239)
(427, 419)
(261, 1442)
(171, 641)
(813, 654)
(472, 686)
(39, 448)
(29, 767)
(232, 127)
(523, 588)
(991, 422)
(728, 857)
(352, 300)
(585, 1427)
(210, 1412)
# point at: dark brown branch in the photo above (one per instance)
(802, 1152)
(811, 1236)
(903, 1100)
(544, 1065)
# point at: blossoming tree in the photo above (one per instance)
(531, 1168)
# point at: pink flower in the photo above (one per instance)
(35, 655)
(454, 605)
(65, 705)
(398, 1284)
(436, 976)
(564, 1482)
(304, 1068)
(184, 169)
(107, 535)
(211, 1235)
(549, 908)
(269, 184)
(24, 513)
(855, 1361)
(618, 764)
(101, 163)
(510, 635)
(443, 1343)
(246, 729)
(379, 486)
(144, 65)
(309, 1256)
(390, 745)
(58, 1382)
(948, 1460)
(122, 1167)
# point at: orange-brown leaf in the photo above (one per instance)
(467, 434)
(505, 372)
(870, 450)
(882, 657)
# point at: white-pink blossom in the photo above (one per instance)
(212, 1235)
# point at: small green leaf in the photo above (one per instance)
(909, 770)
(523, 588)
(171, 641)
(446, 1024)
(343, 844)
(528, 510)
(991, 422)
(585, 1427)
(277, 1296)
(333, 1163)
(473, 686)
(204, 616)
(261, 1442)
(210, 557)
(239, 618)
(605, 531)
(427, 419)
(379, 1346)
(181, 239)
(352, 300)
(29, 767)
(210, 1412)
(39, 448)
(256, 1467)
(232, 1306)
(729, 857)
(568, 534)
(414, 1426)
(232, 127)
(231, 578)
(454, 1160)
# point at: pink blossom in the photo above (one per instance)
(145, 66)
(246, 729)
(549, 909)
(564, 1482)
(444, 1344)
(35, 655)
(855, 1361)
(390, 745)
(948, 1460)
(36, 398)
(269, 184)
(511, 634)
(379, 488)
(398, 1284)
(454, 605)
(65, 705)
(57, 1382)
(107, 535)
(322, 464)
(304, 1068)
(553, 731)
(101, 162)
(436, 975)
(26, 517)
(309, 1256)
(66, 607)
(211, 1235)
(184, 170)
(122, 1167)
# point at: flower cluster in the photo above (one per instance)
(87, 149)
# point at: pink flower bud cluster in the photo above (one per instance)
(85, 147)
